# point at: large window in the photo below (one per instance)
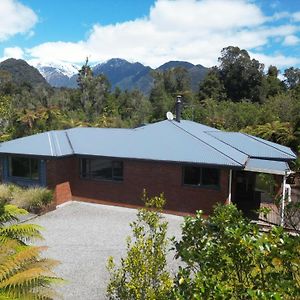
(99, 168)
(24, 167)
(205, 177)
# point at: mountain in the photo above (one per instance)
(58, 74)
(21, 72)
(126, 75)
(120, 73)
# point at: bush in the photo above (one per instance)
(142, 274)
(229, 258)
(32, 199)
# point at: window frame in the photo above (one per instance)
(216, 187)
(89, 173)
(30, 178)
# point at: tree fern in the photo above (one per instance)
(24, 274)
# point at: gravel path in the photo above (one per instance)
(82, 236)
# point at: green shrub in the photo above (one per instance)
(229, 258)
(32, 199)
(142, 274)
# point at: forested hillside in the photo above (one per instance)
(239, 94)
(21, 73)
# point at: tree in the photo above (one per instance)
(94, 91)
(272, 84)
(142, 274)
(241, 75)
(292, 76)
(212, 87)
(24, 274)
(227, 257)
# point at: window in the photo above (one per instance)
(99, 168)
(24, 167)
(206, 177)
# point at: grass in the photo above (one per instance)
(33, 199)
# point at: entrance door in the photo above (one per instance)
(245, 197)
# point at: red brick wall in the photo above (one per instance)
(155, 177)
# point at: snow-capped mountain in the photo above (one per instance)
(120, 73)
(57, 74)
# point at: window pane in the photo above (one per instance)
(101, 169)
(118, 170)
(20, 167)
(24, 167)
(192, 175)
(34, 169)
(210, 177)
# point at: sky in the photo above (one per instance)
(150, 31)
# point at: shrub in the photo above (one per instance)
(32, 199)
(229, 258)
(142, 274)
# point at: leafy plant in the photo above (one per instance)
(24, 274)
(229, 258)
(143, 274)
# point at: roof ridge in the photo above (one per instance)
(209, 144)
(52, 150)
(69, 141)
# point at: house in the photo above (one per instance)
(194, 165)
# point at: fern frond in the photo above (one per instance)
(17, 261)
(21, 232)
(11, 214)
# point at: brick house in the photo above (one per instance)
(194, 165)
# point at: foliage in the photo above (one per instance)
(5, 193)
(142, 274)
(212, 87)
(32, 199)
(292, 76)
(278, 132)
(229, 258)
(24, 274)
(241, 75)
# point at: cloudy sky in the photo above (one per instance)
(151, 32)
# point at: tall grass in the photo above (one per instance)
(32, 199)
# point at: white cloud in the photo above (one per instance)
(296, 16)
(14, 52)
(193, 30)
(279, 60)
(291, 40)
(15, 18)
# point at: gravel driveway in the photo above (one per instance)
(82, 236)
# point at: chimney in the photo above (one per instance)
(178, 108)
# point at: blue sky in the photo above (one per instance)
(149, 31)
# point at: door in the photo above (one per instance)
(245, 197)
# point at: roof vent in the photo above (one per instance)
(178, 108)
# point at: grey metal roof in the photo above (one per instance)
(267, 166)
(252, 146)
(186, 142)
(158, 141)
(51, 143)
